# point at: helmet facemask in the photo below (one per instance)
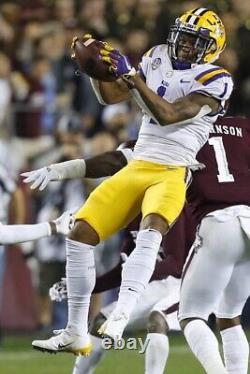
(182, 37)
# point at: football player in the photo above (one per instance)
(229, 132)
(216, 276)
(181, 93)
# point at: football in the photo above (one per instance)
(86, 53)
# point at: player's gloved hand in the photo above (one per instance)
(41, 177)
(58, 292)
(119, 64)
(64, 223)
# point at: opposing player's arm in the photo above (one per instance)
(13, 234)
(103, 165)
(182, 109)
(110, 92)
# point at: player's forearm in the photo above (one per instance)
(110, 92)
(99, 166)
(12, 234)
(164, 112)
(105, 164)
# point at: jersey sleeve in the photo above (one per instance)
(215, 82)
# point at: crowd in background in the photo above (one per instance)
(48, 111)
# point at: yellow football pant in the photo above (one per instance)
(141, 186)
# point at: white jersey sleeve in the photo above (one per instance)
(213, 81)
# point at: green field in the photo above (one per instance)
(17, 357)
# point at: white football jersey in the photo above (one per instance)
(178, 144)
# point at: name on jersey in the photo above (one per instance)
(227, 130)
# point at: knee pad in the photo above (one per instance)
(157, 323)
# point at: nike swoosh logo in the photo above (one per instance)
(183, 81)
(61, 346)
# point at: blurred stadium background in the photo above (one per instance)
(48, 113)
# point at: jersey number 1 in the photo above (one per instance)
(221, 158)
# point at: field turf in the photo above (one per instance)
(16, 356)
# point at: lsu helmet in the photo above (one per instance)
(208, 29)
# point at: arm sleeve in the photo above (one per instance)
(12, 234)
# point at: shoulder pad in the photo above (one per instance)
(152, 50)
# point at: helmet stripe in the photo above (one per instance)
(193, 19)
(197, 20)
(200, 11)
(188, 18)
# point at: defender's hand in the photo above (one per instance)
(41, 177)
(64, 223)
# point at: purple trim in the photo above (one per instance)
(206, 72)
(225, 91)
(215, 77)
(178, 65)
(219, 111)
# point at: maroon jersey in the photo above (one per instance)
(171, 257)
(226, 179)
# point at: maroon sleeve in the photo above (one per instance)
(175, 246)
(109, 280)
(112, 278)
(226, 179)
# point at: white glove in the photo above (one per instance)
(58, 291)
(55, 172)
(41, 177)
(65, 223)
